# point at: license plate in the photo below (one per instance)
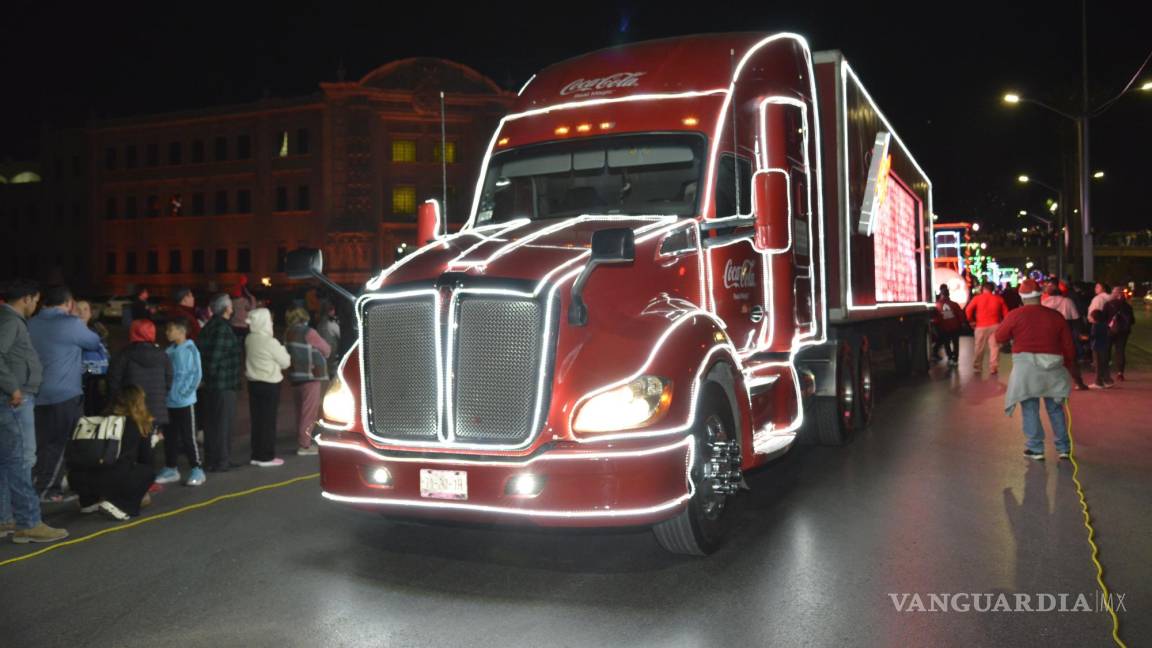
(444, 484)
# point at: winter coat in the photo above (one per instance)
(186, 374)
(950, 317)
(20, 367)
(61, 340)
(143, 364)
(219, 355)
(265, 358)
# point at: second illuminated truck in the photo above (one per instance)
(680, 259)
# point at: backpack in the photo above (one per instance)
(96, 441)
(1119, 323)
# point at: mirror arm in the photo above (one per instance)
(577, 309)
(340, 290)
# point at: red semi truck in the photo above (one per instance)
(680, 259)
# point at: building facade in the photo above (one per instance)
(205, 197)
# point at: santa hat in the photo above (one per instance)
(1029, 289)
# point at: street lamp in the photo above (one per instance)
(1081, 119)
(1098, 175)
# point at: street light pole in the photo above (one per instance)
(1087, 254)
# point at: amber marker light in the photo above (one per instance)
(562, 130)
(690, 121)
(584, 128)
(607, 125)
(502, 142)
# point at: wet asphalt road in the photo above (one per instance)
(934, 498)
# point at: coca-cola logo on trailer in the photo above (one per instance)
(603, 84)
(740, 276)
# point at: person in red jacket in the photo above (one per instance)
(986, 311)
(1042, 361)
(949, 319)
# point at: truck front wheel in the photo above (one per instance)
(702, 526)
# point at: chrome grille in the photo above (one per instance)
(400, 365)
(497, 365)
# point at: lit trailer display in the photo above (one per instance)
(680, 258)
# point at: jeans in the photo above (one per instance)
(19, 500)
(1034, 431)
(951, 344)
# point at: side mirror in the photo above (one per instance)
(772, 209)
(428, 222)
(613, 245)
(304, 263)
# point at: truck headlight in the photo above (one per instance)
(634, 405)
(339, 403)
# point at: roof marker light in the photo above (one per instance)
(584, 128)
(562, 130)
(607, 125)
(690, 121)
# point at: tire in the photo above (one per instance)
(920, 348)
(703, 525)
(834, 417)
(864, 387)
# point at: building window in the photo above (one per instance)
(283, 150)
(153, 207)
(221, 202)
(174, 262)
(110, 263)
(303, 198)
(198, 203)
(130, 156)
(110, 159)
(403, 150)
(244, 201)
(110, 208)
(153, 155)
(243, 260)
(281, 199)
(449, 152)
(302, 143)
(153, 262)
(404, 200)
(130, 263)
(197, 151)
(175, 153)
(130, 210)
(281, 259)
(198, 261)
(221, 260)
(243, 147)
(221, 149)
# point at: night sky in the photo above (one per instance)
(937, 69)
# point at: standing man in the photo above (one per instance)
(949, 320)
(986, 311)
(1100, 301)
(1121, 319)
(20, 376)
(60, 339)
(186, 308)
(1042, 359)
(220, 360)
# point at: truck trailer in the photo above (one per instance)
(680, 259)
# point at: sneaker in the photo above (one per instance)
(91, 508)
(1097, 386)
(307, 452)
(953, 363)
(1120, 377)
(39, 533)
(196, 477)
(1081, 387)
(168, 476)
(1037, 456)
(57, 497)
(1064, 454)
(1108, 384)
(268, 464)
(146, 501)
(155, 488)
(7, 529)
(113, 511)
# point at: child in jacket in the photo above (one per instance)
(180, 434)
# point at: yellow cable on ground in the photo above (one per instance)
(1091, 531)
(161, 516)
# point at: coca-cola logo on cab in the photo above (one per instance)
(740, 276)
(602, 84)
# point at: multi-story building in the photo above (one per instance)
(201, 198)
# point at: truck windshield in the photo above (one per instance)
(624, 174)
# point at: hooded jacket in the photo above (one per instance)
(143, 364)
(266, 359)
(187, 373)
(60, 340)
(20, 367)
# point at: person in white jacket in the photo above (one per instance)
(264, 365)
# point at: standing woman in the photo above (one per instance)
(309, 352)
(144, 365)
(117, 489)
(264, 363)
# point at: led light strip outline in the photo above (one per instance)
(689, 464)
(845, 73)
(435, 228)
(378, 280)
